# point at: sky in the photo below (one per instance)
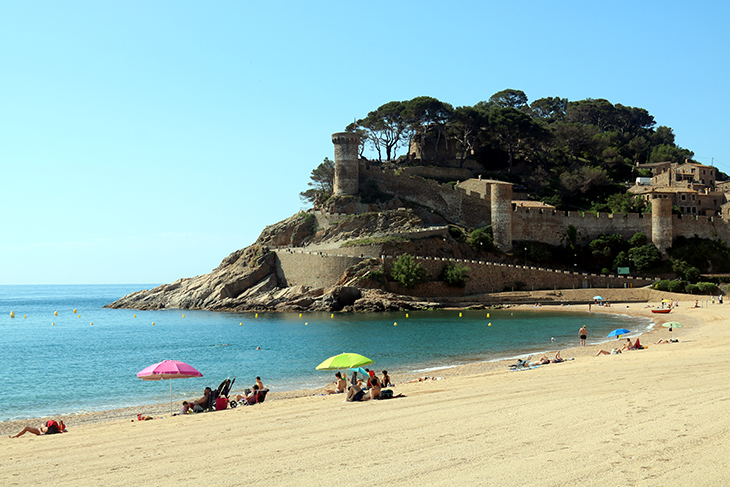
(142, 142)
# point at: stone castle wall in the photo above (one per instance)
(471, 206)
(491, 277)
(322, 269)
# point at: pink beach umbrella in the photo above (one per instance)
(168, 370)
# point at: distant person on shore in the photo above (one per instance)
(199, 404)
(583, 334)
(385, 381)
(340, 384)
(50, 428)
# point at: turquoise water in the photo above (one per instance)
(74, 366)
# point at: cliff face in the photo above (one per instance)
(249, 280)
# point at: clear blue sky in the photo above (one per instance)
(141, 142)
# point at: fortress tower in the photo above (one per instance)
(347, 165)
(501, 199)
(661, 220)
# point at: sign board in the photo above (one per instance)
(623, 270)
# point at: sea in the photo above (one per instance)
(64, 353)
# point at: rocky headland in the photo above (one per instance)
(250, 279)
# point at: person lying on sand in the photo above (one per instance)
(50, 428)
(661, 341)
(424, 379)
(545, 360)
(614, 351)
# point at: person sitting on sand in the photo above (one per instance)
(199, 404)
(614, 351)
(340, 384)
(186, 407)
(251, 399)
(50, 428)
(374, 389)
(355, 392)
(260, 384)
(385, 381)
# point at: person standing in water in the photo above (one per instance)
(583, 334)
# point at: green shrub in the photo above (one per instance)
(481, 239)
(677, 286)
(707, 287)
(692, 289)
(456, 275)
(662, 285)
(408, 272)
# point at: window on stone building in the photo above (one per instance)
(684, 197)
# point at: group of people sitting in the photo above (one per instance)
(355, 392)
(628, 346)
(251, 396)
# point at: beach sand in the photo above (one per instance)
(654, 417)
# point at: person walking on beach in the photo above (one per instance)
(583, 334)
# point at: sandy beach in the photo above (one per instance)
(654, 417)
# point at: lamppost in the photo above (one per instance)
(525, 256)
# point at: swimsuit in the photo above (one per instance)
(583, 337)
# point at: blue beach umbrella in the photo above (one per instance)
(618, 332)
(360, 371)
(599, 298)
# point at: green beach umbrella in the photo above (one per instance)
(672, 325)
(344, 361)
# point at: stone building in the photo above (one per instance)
(693, 187)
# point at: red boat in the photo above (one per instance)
(661, 310)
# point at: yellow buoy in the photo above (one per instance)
(406, 315)
(487, 315)
(240, 324)
(183, 315)
(153, 323)
(74, 310)
(489, 324)
(55, 313)
(300, 315)
(332, 315)
(459, 314)
(135, 316)
(12, 314)
(92, 324)
(395, 324)
(52, 324)
(24, 316)
(257, 315)
(305, 324)
(79, 316)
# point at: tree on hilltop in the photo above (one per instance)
(322, 182)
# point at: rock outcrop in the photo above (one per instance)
(247, 280)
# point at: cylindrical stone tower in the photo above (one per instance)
(347, 165)
(501, 199)
(661, 220)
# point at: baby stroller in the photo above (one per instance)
(218, 399)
